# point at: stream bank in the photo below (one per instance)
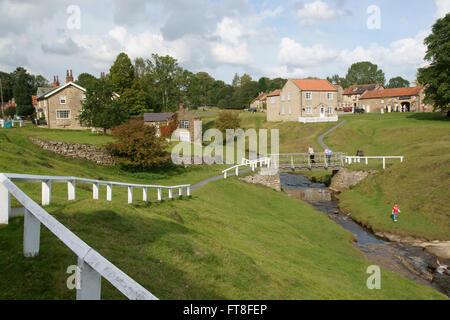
(405, 259)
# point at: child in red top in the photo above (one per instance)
(395, 212)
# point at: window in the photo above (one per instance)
(289, 97)
(283, 111)
(330, 110)
(283, 97)
(83, 98)
(184, 124)
(308, 95)
(274, 100)
(62, 100)
(290, 110)
(330, 95)
(308, 110)
(62, 114)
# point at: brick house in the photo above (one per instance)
(395, 100)
(61, 105)
(353, 93)
(304, 100)
(186, 122)
(260, 102)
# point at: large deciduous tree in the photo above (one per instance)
(85, 80)
(102, 109)
(398, 82)
(365, 72)
(436, 76)
(121, 73)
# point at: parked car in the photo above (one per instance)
(360, 110)
(16, 117)
(348, 109)
(252, 110)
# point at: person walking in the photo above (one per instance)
(328, 152)
(395, 212)
(311, 154)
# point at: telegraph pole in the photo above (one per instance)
(1, 94)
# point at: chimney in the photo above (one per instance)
(102, 75)
(181, 107)
(55, 83)
(69, 76)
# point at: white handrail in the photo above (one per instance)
(357, 159)
(245, 162)
(97, 265)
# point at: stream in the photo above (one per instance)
(412, 262)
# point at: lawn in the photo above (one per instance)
(230, 240)
(420, 185)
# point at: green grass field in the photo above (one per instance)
(420, 185)
(230, 240)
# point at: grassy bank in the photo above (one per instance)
(420, 185)
(230, 240)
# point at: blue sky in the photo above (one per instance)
(262, 38)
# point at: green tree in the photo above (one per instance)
(135, 99)
(138, 146)
(23, 87)
(436, 76)
(227, 120)
(166, 80)
(364, 73)
(85, 79)
(101, 109)
(337, 80)
(121, 73)
(7, 85)
(398, 82)
(236, 81)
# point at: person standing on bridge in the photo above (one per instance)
(328, 152)
(311, 154)
(395, 212)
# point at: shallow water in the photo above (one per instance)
(409, 261)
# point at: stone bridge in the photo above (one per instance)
(303, 161)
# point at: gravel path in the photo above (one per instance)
(328, 132)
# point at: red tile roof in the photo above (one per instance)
(360, 89)
(389, 93)
(274, 93)
(314, 85)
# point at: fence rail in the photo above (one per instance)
(349, 160)
(93, 266)
(303, 161)
(253, 164)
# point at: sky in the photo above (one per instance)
(273, 38)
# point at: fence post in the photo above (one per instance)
(180, 191)
(31, 235)
(5, 205)
(367, 161)
(384, 163)
(225, 175)
(109, 192)
(144, 194)
(188, 191)
(46, 192)
(159, 194)
(95, 191)
(71, 189)
(170, 193)
(401, 159)
(90, 282)
(130, 194)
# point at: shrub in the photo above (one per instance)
(228, 120)
(10, 112)
(138, 146)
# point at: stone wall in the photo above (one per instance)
(346, 178)
(266, 178)
(78, 151)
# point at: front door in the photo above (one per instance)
(322, 112)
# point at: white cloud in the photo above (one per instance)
(442, 7)
(293, 53)
(317, 11)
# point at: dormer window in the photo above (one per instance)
(62, 100)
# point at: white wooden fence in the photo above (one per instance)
(349, 160)
(253, 164)
(93, 266)
(20, 122)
